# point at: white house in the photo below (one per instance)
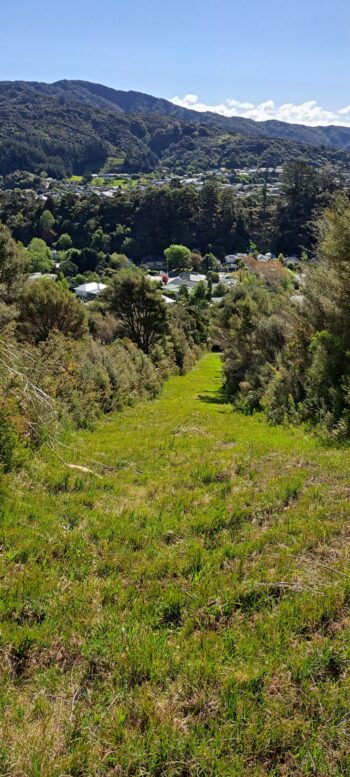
(89, 291)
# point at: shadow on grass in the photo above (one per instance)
(213, 398)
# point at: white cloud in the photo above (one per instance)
(310, 112)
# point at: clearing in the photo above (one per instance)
(188, 612)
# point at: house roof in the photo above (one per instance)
(194, 277)
(90, 288)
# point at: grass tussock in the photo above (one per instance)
(185, 614)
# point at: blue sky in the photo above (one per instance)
(252, 57)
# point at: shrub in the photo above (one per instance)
(46, 306)
(8, 440)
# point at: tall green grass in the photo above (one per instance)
(187, 613)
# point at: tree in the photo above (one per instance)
(139, 308)
(46, 224)
(46, 306)
(46, 220)
(241, 237)
(64, 242)
(14, 266)
(101, 241)
(199, 293)
(68, 268)
(118, 261)
(220, 290)
(87, 260)
(183, 295)
(305, 189)
(178, 257)
(40, 256)
(196, 260)
(209, 262)
(209, 215)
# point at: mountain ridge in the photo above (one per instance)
(76, 126)
(132, 101)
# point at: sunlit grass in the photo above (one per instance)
(188, 612)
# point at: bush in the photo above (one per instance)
(252, 333)
(86, 378)
(46, 306)
(8, 440)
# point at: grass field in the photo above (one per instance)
(187, 613)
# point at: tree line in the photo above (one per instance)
(144, 224)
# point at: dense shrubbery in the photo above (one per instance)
(63, 363)
(291, 357)
(85, 377)
(252, 329)
(45, 307)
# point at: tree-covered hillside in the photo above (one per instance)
(60, 131)
(131, 102)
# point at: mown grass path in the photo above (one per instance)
(187, 613)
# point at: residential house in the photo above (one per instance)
(89, 291)
(193, 277)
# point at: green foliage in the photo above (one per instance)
(118, 261)
(103, 133)
(305, 190)
(294, 361)
(64, 242)
(13, 266)
(209, 263)
(69, 269)
(40, 256)
(220, 290)
(251, 330)
(178, 257)
(211, 221)
(86, 378)
(46, 306)
(47, 221)
(199, 293)
(8, 439)
(139, 309)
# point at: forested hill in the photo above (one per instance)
(99, 96)
(74, 127)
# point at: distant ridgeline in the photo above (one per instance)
(73, 127)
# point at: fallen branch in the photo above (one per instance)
(78, 467)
